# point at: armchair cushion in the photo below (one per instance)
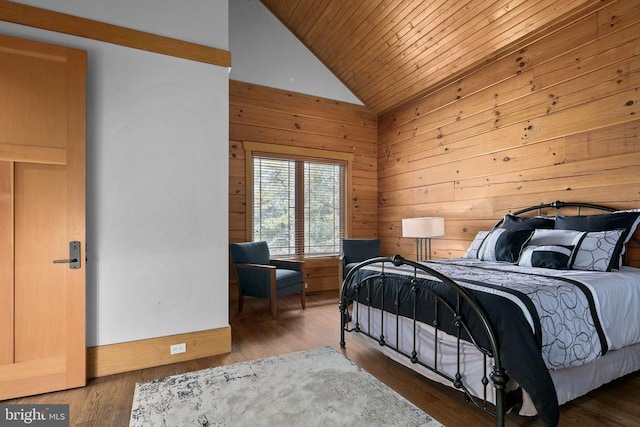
(254, 268)
(354, 251)
(286, 279)
(250, 253)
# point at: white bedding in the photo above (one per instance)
(617, 297)
(618, 302)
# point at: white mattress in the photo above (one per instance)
(570, 383)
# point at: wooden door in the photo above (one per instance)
(42, 209)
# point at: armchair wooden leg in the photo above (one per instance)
(274, 295)
(240, 303)
(304, 287)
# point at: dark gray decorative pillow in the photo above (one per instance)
(512, 222)
(504, 245)
(598, 250)
(550, 256)
(626, 220)
(472, 250)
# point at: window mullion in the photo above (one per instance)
(300, 225)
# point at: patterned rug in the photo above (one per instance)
(318, 387)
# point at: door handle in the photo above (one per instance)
(74, 256)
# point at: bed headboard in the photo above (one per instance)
(591, 208)
(557, 205)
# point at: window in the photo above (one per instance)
(298, 202)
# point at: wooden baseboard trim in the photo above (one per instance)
(130, 356)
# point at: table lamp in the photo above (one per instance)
(423, 229)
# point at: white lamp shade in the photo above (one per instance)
(424, 227)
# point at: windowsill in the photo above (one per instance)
(306, 257)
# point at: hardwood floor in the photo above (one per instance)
(107, 401)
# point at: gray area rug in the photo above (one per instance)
(318, 387)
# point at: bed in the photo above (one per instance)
(541, 309)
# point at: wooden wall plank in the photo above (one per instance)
(249, 132)
(474, 32)
(505, 70)
(394, 51)
(589, 174)
(266, 115)
(464, 52)
(602, 143)
(472, 117)
(312, 106)
(561, 124)
(617, 15)
(603, 52)
(298, 122)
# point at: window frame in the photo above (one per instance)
(257, 148)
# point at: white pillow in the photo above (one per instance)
(544, 237)
(474, 248)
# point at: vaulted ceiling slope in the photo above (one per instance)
(388, 52)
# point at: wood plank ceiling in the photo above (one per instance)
(388, 52)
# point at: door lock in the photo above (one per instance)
(74, 256)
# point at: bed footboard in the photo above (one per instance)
(369, 289)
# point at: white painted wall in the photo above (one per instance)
(157, 184)
(157, 148)
(265, 52)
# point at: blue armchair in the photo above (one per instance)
(260, 276)
(355, 251)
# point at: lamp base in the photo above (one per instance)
(423, 249)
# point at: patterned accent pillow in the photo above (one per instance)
(504, 245)
(550, 256)
(598, 251)
(474, 247)
(627, 220)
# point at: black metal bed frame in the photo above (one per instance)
(497, 378)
